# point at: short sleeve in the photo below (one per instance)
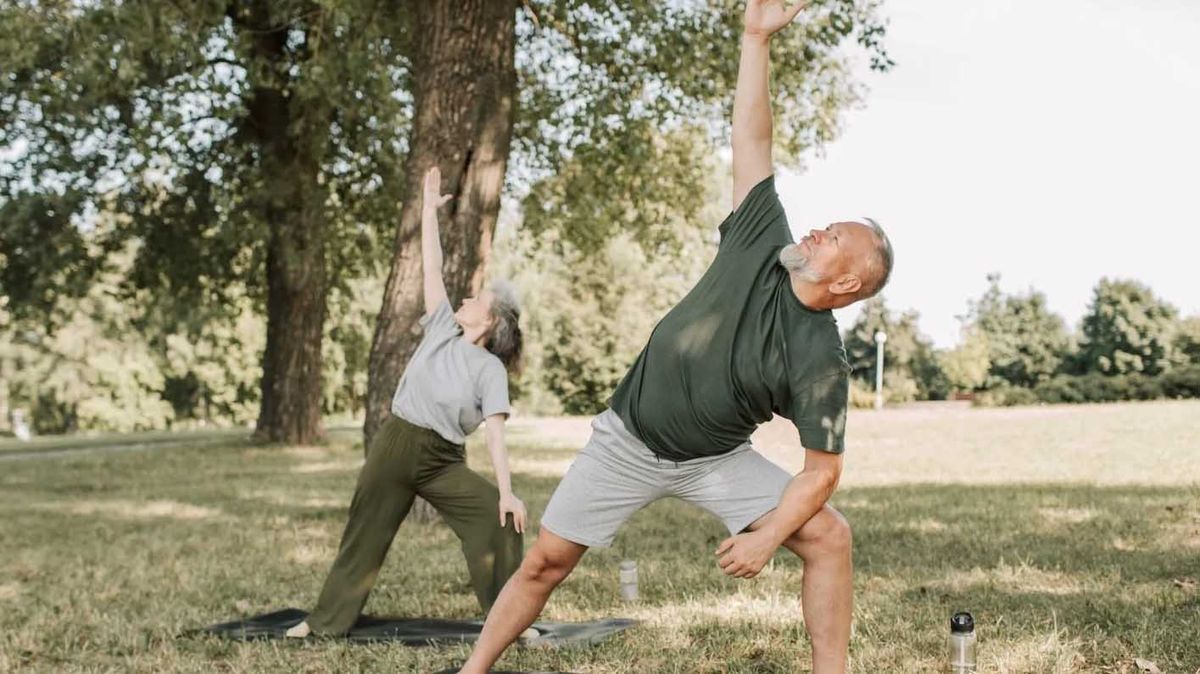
(493, 389)
(819, 411)
(440, 322)
(760, 218)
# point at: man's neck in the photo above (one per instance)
(812, 295)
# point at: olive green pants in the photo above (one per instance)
(405, 461)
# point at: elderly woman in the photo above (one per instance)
(456, 380)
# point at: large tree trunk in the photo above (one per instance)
(464, 84)
(296, 277)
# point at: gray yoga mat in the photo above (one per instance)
(414, 631)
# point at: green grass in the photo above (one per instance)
(1072, 534)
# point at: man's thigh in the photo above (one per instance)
(612, 477)
(739, 488)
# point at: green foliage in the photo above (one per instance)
(644, 65)
(1005, 395)
(95, 371)
(146, 110)
(1095, 387)
(1026, 343)
(966, 366)
(1126, 329)
(588, 312)
(1186, 344)
(862, 395)
(910, 366)
(1182, 382)
(349, 329)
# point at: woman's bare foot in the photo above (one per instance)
(300, 631)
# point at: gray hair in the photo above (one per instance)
(505, 341)
(879, 267)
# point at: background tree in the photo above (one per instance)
(1026, 342)
(1186, 344)
(910, 369)
(252, 143)
(590, 306)
(1126, 329)
(966, 366)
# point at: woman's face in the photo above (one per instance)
(476, 312)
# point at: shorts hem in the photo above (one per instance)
(575, 538)
(750, 521)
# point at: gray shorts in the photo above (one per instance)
(615, 475)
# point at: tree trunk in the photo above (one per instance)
(291, 205)
(464, 84)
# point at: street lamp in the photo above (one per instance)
(880, 340)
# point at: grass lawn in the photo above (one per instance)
(1072, 534)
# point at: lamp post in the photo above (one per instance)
(880, 340)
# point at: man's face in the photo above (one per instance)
(824, 255)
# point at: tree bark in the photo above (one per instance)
(464, 87)
(291, 205)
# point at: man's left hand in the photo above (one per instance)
(744, 555)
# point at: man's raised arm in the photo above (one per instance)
(751, 103)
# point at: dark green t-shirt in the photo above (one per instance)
(737, 349)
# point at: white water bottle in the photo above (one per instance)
(962, 643)
(629, 580)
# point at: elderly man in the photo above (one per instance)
(754, 338)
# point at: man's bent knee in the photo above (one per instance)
(548, 563)
(827, 533)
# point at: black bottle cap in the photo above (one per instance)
(962, 623)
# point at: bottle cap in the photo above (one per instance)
(962, 623)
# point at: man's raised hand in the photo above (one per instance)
(765, 17)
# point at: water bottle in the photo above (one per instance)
(962, 643)
(629, 581)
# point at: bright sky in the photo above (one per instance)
(1053, 142)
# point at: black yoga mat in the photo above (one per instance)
(414, 631)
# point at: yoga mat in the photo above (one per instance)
(414, 631)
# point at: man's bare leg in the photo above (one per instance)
(548, 562)
(824, 543)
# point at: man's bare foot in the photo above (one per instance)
(300, 631)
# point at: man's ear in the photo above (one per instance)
(845, 285)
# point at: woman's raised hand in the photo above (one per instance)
(432, 197)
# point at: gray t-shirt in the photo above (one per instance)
(450, 385)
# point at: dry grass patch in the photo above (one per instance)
(137, 510)
(327, 467)
(1014, 579)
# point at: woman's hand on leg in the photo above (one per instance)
(511, 504)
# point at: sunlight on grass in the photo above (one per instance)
(327, 467)
(1016, 578)
(282, 497)
(541, 467)
(136, 509)
(1051, 653)
(1055, 516)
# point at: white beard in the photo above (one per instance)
(794, 260)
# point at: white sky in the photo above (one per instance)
(1055, 142)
